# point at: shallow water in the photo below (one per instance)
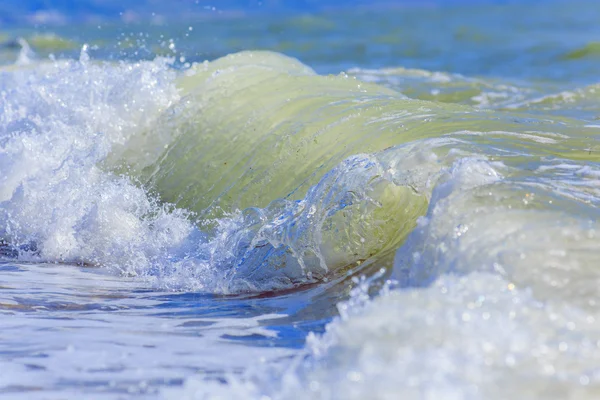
(409, 209)
(70, 330)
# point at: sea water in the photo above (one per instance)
(384, 202)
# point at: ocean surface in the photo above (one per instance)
(397, 201)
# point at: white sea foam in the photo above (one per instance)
(58, 124)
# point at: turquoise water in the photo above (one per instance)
(372, 202)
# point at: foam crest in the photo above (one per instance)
(59, 123)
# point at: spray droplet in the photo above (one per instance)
(26, 54)
(84, 57)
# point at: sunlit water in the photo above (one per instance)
(422, 223)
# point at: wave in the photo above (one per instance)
(446, 87)
(248, 173)
(589, 50)
(252, 173)
(487, 93)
